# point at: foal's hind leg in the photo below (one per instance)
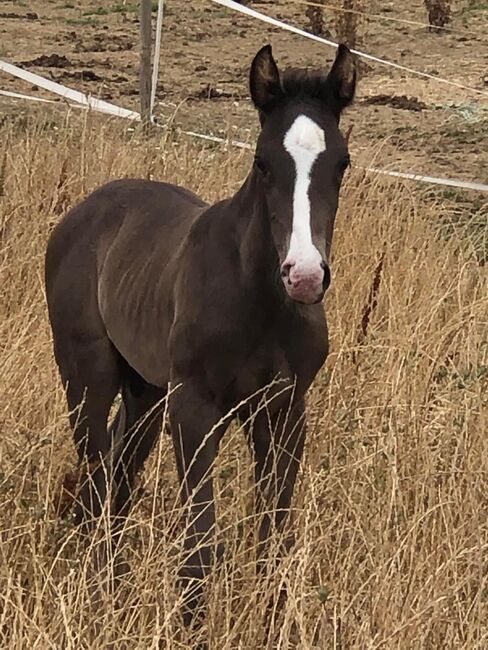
(144, 412)
(90, 370)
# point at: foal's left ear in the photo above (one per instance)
(264, 80)
(341, 80)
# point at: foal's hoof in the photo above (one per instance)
(288, 543)
(268, 557)
(194, 608)
(121, 567)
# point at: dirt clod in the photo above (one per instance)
(48, 61)
(83, 75)
(397, 101)
(31, 15)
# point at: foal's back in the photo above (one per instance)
(146, 208)
(109, 257)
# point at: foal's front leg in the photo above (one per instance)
(278, 441)
(196, 429)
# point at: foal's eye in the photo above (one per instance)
(261, 165)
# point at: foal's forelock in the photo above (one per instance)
(304, 141)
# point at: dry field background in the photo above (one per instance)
(390, 512)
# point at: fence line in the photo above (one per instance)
(99, 105)
(14, 95)
(230, 4)
(432, 180)
(413, 176)
(68, 93)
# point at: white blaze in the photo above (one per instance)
(304, 141)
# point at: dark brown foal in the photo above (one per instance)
(150, 288)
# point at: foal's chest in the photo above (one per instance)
(266, 365)
(279, 356)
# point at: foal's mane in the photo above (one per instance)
(298, 83)
(313, 85)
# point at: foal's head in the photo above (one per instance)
(301, 157)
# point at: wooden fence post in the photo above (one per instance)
(145, 62)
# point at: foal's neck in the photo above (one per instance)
(258, 255)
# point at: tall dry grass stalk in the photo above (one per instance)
(439, 12)
(390, 508)
(347, 18)
(348, 23)
(315, 16)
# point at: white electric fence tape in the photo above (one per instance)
(68, 93)
(411, 176)
(157, 52)
(42, 100)
(10, 93)
(449, 182)
(230, 4)
(388, 18)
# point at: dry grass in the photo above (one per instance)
(390, 510)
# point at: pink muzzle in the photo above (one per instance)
(305, 283)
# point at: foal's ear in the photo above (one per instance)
(264, 80)
(341, 80)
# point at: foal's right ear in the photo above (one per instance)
(264, 80)
(341, 80)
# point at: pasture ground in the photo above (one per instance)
(390, 508)
(390, 512)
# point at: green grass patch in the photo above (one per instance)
(84, 20)
(477, 6)
(119, 8)
(98, 11)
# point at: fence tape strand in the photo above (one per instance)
(388, 18)
(157, 53)
(230, 4)
(411, 176)
(432, 180)
(68, 93)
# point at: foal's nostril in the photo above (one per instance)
(327, 276)
(285, 269)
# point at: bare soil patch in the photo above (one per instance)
(396, 101)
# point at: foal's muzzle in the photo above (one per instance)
(305, 284)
